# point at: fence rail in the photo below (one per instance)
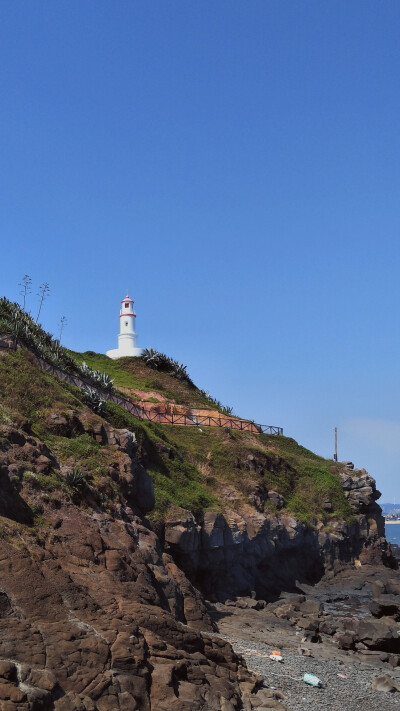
(154, 416)
(165, 418)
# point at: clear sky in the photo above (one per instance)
(235, 166)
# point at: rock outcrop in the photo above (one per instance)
(232, 554)
(93, 615)
(102, 610)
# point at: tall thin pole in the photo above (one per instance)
(335, 455)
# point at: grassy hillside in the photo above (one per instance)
(194, 468)
(134, 373)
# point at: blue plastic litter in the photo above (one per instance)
(312, 680)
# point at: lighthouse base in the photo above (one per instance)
(124, 353)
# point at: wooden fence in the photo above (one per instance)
(141, 413)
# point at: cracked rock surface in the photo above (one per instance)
(94, 616)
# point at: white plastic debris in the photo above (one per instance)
(276, 656)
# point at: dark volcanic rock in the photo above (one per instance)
(384, 607)
(231, 554)
(64, 424)
(93, 615)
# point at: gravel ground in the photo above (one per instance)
(337, 694)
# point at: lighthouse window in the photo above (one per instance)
(126, 306)
(126, 323)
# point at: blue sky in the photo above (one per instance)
(235, 166)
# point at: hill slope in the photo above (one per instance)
(112, 528)
(265, 484)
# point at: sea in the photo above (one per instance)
(392, 532)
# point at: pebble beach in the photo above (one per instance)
(345, 686)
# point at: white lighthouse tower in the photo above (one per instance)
(127, 337)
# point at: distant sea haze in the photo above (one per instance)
(392, 532)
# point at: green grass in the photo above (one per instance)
(202, 462)
(50, 482)
(134, 373)
(176, 483)
(26, 391)
(83, 452)
(181, 487)
(216, 459)
(304, 479)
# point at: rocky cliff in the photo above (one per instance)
(235, 553)
(112, 531)
(93, 614)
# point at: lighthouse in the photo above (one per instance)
(127, 337)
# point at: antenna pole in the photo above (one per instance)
(335, 455)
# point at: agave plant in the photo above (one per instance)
(159, 361)
(105, 381)
(96, 377)
(85, 369)
(227, 410)
(93, 399)
(76, 479)
(151, 357)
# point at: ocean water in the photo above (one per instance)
(392, 532)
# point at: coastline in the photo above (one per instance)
(313, 632)
(397, 520)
